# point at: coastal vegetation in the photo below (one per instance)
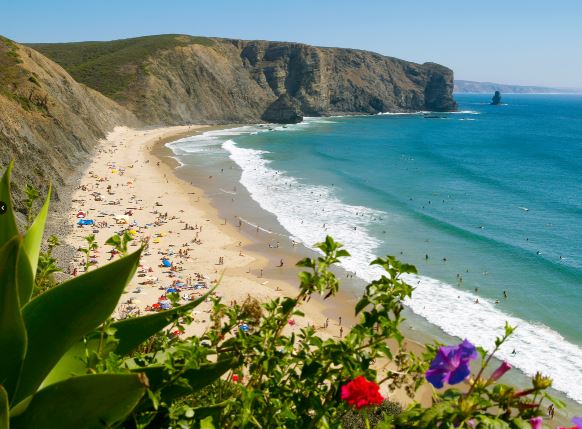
(110, 67)
(67, 363)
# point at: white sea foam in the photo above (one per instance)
(538, 347)
(210, 140)
(428, 112)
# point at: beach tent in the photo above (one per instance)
(166, 263)
(85, 222)
(171, 290)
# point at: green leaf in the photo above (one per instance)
(130, 333)
(4, 409)
(557, 402)
(213, 411)
(58, 318)
(134, 331)
(33, 237)
(197, 378)
(8, 228)
(363, 303)
(12, 331)
(25, 277)
(207, 423)
(90, 401)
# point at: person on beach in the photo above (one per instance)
(280, 263)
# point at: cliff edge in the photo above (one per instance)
(177, 79)
(48, 122)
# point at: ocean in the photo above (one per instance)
(486, 202)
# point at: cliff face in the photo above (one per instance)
(48, 122)
(197, 80)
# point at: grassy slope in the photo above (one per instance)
(15, 81)
(111, 67)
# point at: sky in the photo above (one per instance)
(535, 42)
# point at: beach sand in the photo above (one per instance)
(142, 177)
(145, 191)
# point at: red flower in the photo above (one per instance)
(235, 378)
(361, 393)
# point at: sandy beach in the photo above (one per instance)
(126, 186)
(132, 180)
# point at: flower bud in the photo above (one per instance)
(540, 382)
(536, 423)
(499, 372)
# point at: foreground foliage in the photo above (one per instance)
(66, 364)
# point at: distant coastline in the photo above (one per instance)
(473, 87)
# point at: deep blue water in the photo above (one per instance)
(492, 196)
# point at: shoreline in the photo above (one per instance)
(127, 162)
(417, 333)
(241, 277)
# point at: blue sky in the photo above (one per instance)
(513, 41)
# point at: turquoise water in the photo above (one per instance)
(483, 201)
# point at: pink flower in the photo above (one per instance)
(361, 393)
(499, 372)
(536, 423)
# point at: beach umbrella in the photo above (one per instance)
(171, 290)
(80, 215)
(166, 263)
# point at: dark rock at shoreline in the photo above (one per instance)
(284, 110)
(496, 100)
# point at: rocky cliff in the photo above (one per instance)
(51, 115)
(175, 79)
(48, 122)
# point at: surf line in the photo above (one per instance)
(268, 231)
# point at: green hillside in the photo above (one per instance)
(110, 67)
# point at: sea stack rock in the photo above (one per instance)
(284, 110)
(496, 98)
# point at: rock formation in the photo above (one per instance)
(52, 115)
(175, 79)
(284, 110)
(496, 98)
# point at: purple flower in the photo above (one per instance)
(577, 422)
(451, 364)
(498, 373)
(536, 423)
